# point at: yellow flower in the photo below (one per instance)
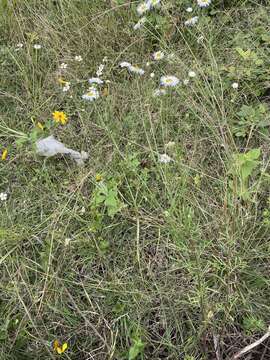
(40, 126)
(60, 116)
(99, 177)
(59, 348)
(4, 154)
(61, 81)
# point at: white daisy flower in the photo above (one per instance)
(95, 80)
(164, 158)
(158, 55)
(192, 74)
(78, 58)
(3, 196)
(136, 70)
(143, 7)
(154, 2)
(186, 81)
(235, 85)
(152, 75)
(37, 46)
(125, 64)
(63, 66)
(169, 80)
(91, 95)
(204, 3)
(192, 21)
(140, 23)
(159, 92)
(100, 69)
(189, 9)
(66, 87)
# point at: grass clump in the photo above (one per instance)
(156, 248)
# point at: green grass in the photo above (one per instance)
(173, 255)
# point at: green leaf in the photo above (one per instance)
(135, 349)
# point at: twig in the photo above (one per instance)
(216, 346)
(252, 346)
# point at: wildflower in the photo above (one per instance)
(164, 159)
(60, 116)
(192, 21)
(95, 80)
(136, 70)
(63, 66)
(91, 95)
(189, 9)
(200, 39)
(204, 3)
(139, 24)
(159, 92)
(148, 63)
(105, 59)
(235, 85)
(152, 75)
(100, 69)
(192, 74)
(169, 80)
(78, 58)
(143, 7)
(37, 46)
(66, 87)
(186, 81)
(59, 348)
(4, 154)
(67, 241)
(158, 55)
(40, 126)
(99, 177)
(3, 196)
(125, 64)
(19, 46)
(154, 2)
(170, 144)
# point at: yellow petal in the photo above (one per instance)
(55, 344)
(4, 154)
(59, 350)
(64, 347)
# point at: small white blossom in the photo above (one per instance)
(192, 74)
(100, 70)
(66, 87)
(143, 7)
(189, 9)
(95, 80)
(19, 46)
(105, 59)
(192, 21)
(67, 241)
(235, 85)
(186, 81)
(147, 64)
(91, 95)
(125, 64)
(136, 70)
(37, 46)
(169, 80)
(63, 66)
(204, 3)
(3, 196)
(152, 75)
(78, 58)
(140, 23)
(158, 55)
(159, 92)
(200, 39)
(164, 158)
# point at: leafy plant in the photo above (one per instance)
(252, 324)
(242, 168)
(251, 117)
(106, 194)
(136, 348)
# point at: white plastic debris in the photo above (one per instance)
(49, 146)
